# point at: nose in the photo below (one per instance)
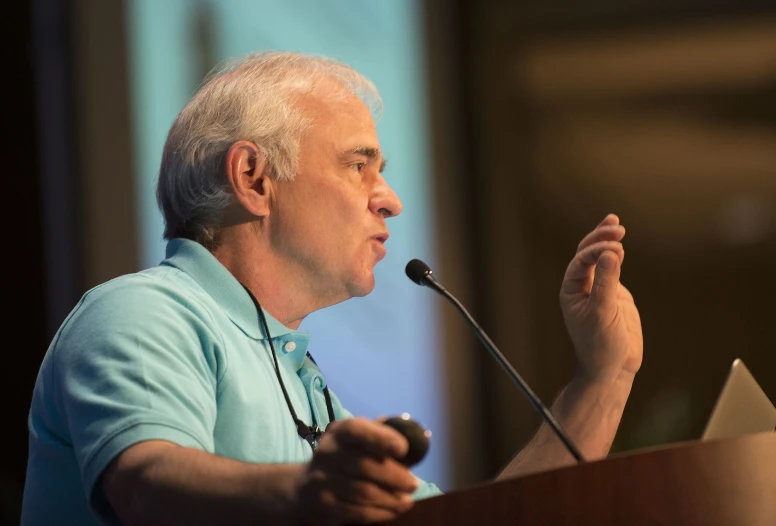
(384, 200)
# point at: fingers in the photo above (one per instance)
(367, 493)
(371, 437)
(322, 505)
(607, 276)
(610, 219)
(602, 233)
(365, 450)
(579, 274)
(386, 472)
(589, 256)
(354, 476)
(606, 237)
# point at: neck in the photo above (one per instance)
(278, 288)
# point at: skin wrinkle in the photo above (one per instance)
(366, 151)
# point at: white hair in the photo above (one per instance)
(249, 99)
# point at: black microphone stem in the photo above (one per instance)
(485, 339)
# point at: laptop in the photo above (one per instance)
(742, 407)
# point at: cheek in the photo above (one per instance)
(346, 214)
(329, 220)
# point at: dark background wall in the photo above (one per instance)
(23, 294)
(69, 164)
(664, 113)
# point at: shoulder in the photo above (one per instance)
(142, 294)
(158, 304)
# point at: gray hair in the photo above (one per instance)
(249, 99)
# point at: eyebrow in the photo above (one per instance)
(368, 152)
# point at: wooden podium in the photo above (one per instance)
(723, 482)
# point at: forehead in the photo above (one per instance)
(338, 118)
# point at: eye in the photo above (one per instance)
(358, 166)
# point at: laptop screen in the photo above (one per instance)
(742, 407)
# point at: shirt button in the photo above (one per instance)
(290, 346)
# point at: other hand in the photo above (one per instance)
(600, 314)
(354, 477)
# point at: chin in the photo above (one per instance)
(362, 286)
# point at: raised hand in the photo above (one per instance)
(355, 477)
(600, 314)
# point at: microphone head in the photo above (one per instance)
(417, 271)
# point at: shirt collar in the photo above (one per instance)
(197, 262)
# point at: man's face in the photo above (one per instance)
(329, 223)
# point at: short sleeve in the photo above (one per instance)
(135, 361)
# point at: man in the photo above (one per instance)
(183, 394)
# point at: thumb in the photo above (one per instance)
(603, 295)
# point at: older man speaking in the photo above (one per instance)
(184, 394)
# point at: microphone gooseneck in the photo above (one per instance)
(421, 274)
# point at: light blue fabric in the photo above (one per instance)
(172, 353)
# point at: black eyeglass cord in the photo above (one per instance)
(312, 434)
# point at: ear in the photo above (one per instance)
(247, 175)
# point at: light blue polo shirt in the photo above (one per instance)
(172, 353)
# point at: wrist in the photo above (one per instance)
(295, 493)
(277, 491)
(595, 375)
(610, 391)
(591, 410)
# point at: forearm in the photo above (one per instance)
(589, 413)
(178, 485)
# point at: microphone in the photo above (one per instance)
(421, 274)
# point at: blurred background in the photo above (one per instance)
(512, 129)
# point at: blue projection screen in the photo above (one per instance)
(381, 354)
